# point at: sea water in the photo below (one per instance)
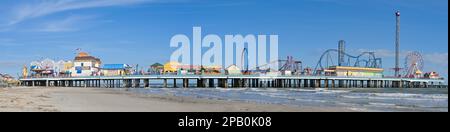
(357, 99)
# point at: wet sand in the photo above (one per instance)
(21, 99)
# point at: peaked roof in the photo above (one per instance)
(157, 65)
(233, 67)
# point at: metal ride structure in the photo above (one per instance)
(414, 64)
(291, 65)
(244, 52)
(365, 59)
(287, 65)
(397, 45)
(47, 67)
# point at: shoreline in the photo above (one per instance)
(40, 99)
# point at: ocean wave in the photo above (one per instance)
(405, 95)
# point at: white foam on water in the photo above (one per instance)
(406, 95)
(359, 109)
(332, 91)
(382, 104)
(311, 100)
(303, 90)
(352, 97)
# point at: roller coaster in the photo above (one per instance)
(365, 59)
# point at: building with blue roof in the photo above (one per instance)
(116, 69)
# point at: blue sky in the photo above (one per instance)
(139, 31)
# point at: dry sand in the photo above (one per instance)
(107, 100)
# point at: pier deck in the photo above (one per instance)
(231, 81)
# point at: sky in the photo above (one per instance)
(139, 31)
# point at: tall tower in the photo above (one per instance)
(397, 45)
(341, 54)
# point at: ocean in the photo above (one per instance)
(356, 99)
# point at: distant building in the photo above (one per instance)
(211, 70)
(86, 65)
(6, 79)
(343, 71)
(156, 68)
(67, 69)
(49, 68)
(171, 67)
(432, 75)
(115, 70)
(63, 68)
(233, 70)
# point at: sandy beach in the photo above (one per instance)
(21, 99)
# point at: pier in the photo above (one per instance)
(228, 81)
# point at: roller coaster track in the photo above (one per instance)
(371, 62)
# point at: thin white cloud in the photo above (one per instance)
(440, 59)
(7, 42)
(71, 23)
(43, 8)
(10, 63)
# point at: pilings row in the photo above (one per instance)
(230, 83)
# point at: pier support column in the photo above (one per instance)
(220, 83)
(127, 83)
(185, 83)
(291, 83)
(137, 83)
(333, 83)
(165, 83)
(350, 83)
(199, 83)
(226, 83)
(146, 83)
(211, 83)
(305, 83)
(175, 83)
(319, 83)
(340, 83)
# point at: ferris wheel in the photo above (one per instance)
(48, 64)
(413, 65)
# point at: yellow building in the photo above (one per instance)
(343, 71)
(171, 67)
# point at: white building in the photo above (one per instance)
(86, 65)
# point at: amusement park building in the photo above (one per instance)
(344, 71)
(115, 69)
(86, 65)
(233, 70)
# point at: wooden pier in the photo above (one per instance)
(224, 81)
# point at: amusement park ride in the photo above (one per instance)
(413, 65)
(365, 59)
(333, 62)
(46, 67)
